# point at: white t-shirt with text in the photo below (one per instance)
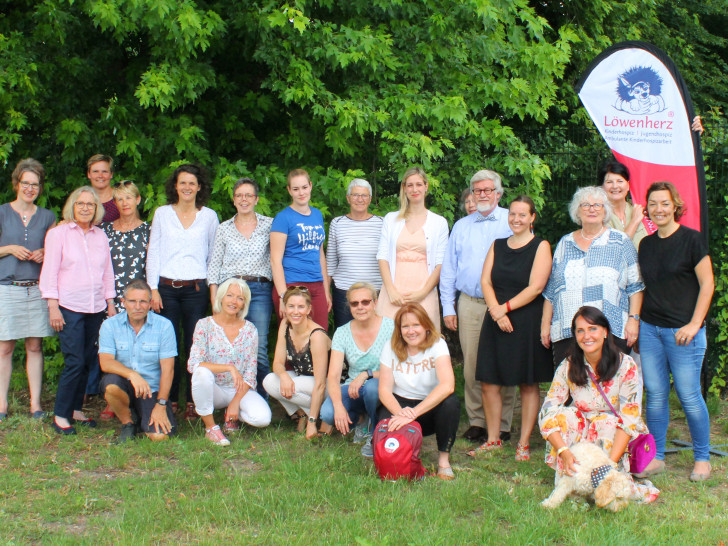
(414, 378)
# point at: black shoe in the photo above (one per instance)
(128, 432)
(90, 423)
(61, 430)
(505, 435)
(475, 434)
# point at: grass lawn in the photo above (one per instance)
(272, 486)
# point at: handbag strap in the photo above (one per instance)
(594, 380)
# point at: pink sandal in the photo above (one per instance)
(523, 452)
(486, 447)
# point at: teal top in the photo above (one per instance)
(361, 361)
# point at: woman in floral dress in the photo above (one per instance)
(589, 418)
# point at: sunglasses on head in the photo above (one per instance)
(123, 183)
(301, 288)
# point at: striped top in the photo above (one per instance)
(351, 255)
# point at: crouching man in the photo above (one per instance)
(136, 354)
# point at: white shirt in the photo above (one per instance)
(435, 229)
(178, 253)
(416, 377)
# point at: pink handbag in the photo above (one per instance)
(642, 449)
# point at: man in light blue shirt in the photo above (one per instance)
(470, 239)
(136, 352)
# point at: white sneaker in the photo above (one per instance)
(216, 436)
(360, 432)
(367, 450)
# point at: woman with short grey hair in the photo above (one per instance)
(594, 265)
(352, 252)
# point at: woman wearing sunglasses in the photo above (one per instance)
(360, 342)
(298, 379)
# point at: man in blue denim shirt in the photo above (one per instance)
(136, 352)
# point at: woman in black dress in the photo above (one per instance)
(515, 273)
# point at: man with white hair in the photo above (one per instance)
(470, 239)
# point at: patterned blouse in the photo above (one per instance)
(210, 344)
(589, 417)
(128, 256)
(233, 254)
(604, 276)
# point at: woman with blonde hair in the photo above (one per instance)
(298, 379)
(223, 364)
(77, 280)
(411, 251)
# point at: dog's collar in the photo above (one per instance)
(597, 475)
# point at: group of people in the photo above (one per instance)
(122, 294)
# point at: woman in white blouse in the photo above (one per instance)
(411, 250)
(182, 236)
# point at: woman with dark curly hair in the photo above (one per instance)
(181, 240)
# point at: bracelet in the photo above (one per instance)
(508, 306)
(561, 450)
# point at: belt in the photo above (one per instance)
(179, 284)
(24, 283)
(248, 278)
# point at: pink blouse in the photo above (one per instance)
(77, 268)
(210, 344)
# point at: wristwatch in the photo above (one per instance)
(635, 316)
(162, 402)
(312, 419)
(370, 375)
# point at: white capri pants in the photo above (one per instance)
(209, 396)
(302, 397)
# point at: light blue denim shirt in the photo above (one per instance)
(139, 352)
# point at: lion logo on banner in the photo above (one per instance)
(639, 91)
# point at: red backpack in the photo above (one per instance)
(397, 453)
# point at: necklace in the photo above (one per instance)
(593, 237)
(127, 227)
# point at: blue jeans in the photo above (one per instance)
(259, 313)
(661, 355)
(80, 346)
(340, 307)
(367, 402)
(187, 304)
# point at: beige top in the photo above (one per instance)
(616, 223)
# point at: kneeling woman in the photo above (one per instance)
(360, 342)
(298, 380)
(417, 383)
(223, 364)
(594, 359)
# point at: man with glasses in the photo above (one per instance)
(136, 351)
(470, 239)
(100, 171)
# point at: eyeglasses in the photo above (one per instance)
(363, 303)
(596, 206)
(33, 185)
(81, 205)
(360, 196)
(248, 196)
(123, 183)
(484, 191)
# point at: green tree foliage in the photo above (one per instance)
(256, 88)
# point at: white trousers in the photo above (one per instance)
(302, 397)
(209, 396)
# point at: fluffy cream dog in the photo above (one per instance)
(614, 490)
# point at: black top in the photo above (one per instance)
(668, 270)
(301, 362)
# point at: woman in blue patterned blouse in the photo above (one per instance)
(594, 265)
